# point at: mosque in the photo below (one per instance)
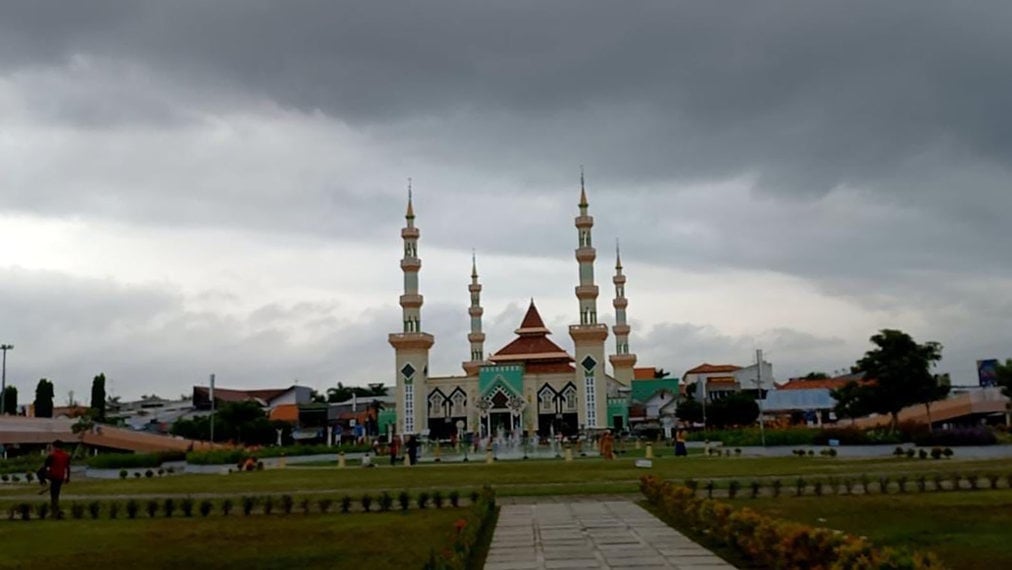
(530, 386)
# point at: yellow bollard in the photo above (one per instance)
(282, 462)
(650, 451)
(436, 453)
(341, 464)
(488, 457)
(569, 453)
(638, 443)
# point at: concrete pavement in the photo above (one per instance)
(613, 534)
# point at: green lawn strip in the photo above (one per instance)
(966, 529)
(387, 540)
(583, 476)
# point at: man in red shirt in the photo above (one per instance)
(57, 468)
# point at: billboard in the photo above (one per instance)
(987, 372)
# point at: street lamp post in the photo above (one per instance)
(3, 382)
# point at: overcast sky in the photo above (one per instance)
(198, 187)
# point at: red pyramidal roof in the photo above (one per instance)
(533, 348)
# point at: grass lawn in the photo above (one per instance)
(966, 529)
(375, 541)
(534, 477)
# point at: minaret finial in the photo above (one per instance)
(474, 265)
(618, 256)
(583, 190)
(411, 209)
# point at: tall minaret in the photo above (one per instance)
(411, 347)
(589, 336)
(622, 361)
(476, 337)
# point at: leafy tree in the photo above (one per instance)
(344, 393)
(733, 410)
(10, 401)
(44, 399)
(1004, 378)
(900, 370)
(853, 400)
(98, 397)
(661, 373)
(241, 422)
(933, 391)
(816, 376)
(689, 410)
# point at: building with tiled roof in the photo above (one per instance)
(532, 384)
(719, 380)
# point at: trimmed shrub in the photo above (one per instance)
(901, 481)
(993, 479)
(936, 452)
(404, 499)
(922, 483)
(454, 498)
(947, 452)
(187, 506)
(169, 507)
(76, 511)
(799, 486)
(133, 460)
(205, 508)
(268, 504)
(865, 483)
(423, 500)
(957, 481)
(324, 505)
(848, 485)
(366, 502)
(474, 497)
(226, 507)
(42, 511)
(131, 509)
(474, 528)
(113, 510)
(777, 485)
(817, 488)
(883, 485)
(732, 488)
(385, 501)
(957, 436)
(287, 504)
(94, 509)
(898, 452)
(123, 473)
(974, 480)
(137, 474)
(345, 504)
(437, 498)
(922, 453)
(755, 485)
(149, 473)
(248, 503)
(25, 510)
(304, 506)
(938, 478)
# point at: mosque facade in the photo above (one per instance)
(529, 386)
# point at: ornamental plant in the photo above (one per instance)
(404, 500)
(324, 505)
(187, 506)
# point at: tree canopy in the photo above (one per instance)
(240, 422)
(899, 371)
(1004, 377)
(10, 401)
(44, 399)
(344, 393)
(98, 397)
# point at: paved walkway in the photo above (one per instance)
(603, 534)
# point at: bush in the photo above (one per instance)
(133, 460)
(385, 501)
(169, 507)
(123, 473)
(437, 498)
(149, 473)
(226, 507)
(205, 508)
(423, 500)
(974, 480)
(709, 488)
(287, 504)
(268, 503)
(993, 479)
(113, 510)
(938, 478)
(936, 452)
(324, 505)
(25, 510)
(922, 483)
(345, 504)
(911, 453)
(248, 503)
(777, 485)
(469, 532)
(366, 502)
(454, 498)
(42, 511)
(137, 474)
(865, 482)
(848, 485)
(187, 506)
(216, 457)
(752, 436)
(957, 436)
(131, 508)
(899, 452)
(883, 485)
(901, 481)
(922, 453)
(404, 499)
(799, 486)
(817, 488)
(304, 506)
(94, 509)
(947, 452)
(755, 485)
(732, 488)
(774, 543)
(76, 511)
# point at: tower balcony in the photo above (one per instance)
(584, 221)
(411, 301)
(474, 288)
(410, 233)
(411, 264)
(586, 291)
(586, 254)
(620, 302)
(621, 330)
(618, 279)
(583, 333)
(411, 341)
(622, 360)
(475, 311)
(477, 337)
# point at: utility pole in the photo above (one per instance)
(211, 394)
(759, 390)
(3, 383)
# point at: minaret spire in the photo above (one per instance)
(622, 361)
(589, 335)
(476, 337)
(411, 346)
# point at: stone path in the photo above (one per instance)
(603, 534)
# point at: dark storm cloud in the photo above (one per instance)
(807, 96)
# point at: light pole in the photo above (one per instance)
(3, 382)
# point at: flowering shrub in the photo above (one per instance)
(774, 542)
(468, 532)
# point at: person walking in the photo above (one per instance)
(57, 471)
(412, 446)
(680, 443)
(395, 449)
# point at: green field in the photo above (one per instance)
(966, 529)
(541, 477)
(375, 541)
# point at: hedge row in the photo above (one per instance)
(247, 505)
(133, 460)
(234, 456)
(846, 435)
(774, 542)
(865, 484)
(469, 536)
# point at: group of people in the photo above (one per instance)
(411, 446)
